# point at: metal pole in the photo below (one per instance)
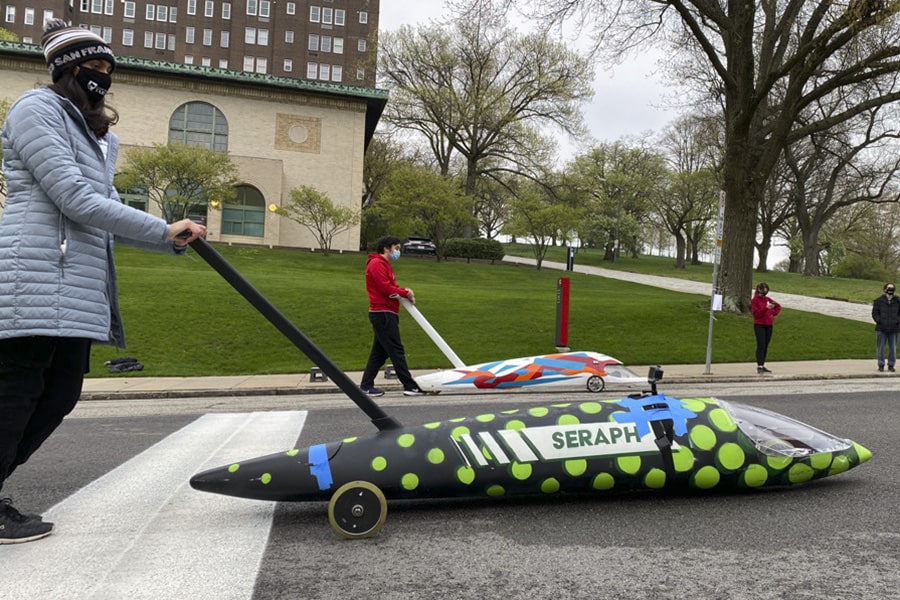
(379, 418)
(715, 280)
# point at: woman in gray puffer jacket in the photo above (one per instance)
(57, 276)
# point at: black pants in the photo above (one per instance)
(763, 337)
(386, 345)
(40, 383)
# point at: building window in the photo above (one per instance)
(248, 63)
(361, 45)
(128, 37)
(150, 12)
(207, 37)
(291, 8)
(48, 16)
(189, 35)
(226, 11)
(209, 8)
(129, 10)
(338, 46)
(108, 8)
(288, 65)
(252, 7)
(29, 16)
(223, 63)
(148, 39)
(337, 73)
(171, 40)
(262, 37)
(188, 59)
(162, 13)
(107, 35)
(363, 17)
(324, 72)
(192, 7)
(262, 65)
(314, 14)
(327, 14)
(288, 37)
(246, 214)
(313, 43)
(10, 14)
(325, 44)
(264, 9)
(173, 14)
(97, 7)
(249, 35)
(339, 17)
(360, 74)
(199, 124)
(225, 39)
(160, 41)
(312, 69)
(206, 61)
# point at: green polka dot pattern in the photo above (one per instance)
(596, 446)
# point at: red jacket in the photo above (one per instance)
(762, 315)
(381, 285)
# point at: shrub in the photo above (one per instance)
(855, 266)
(477, 248)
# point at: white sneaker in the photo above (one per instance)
(413, 392)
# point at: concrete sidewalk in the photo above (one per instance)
(123, 387)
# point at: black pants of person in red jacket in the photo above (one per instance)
(386, 345)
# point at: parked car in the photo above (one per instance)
(418, 245)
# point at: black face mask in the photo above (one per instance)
(889, 292)
(94, 83)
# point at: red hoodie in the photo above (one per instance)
(762, 314)
(381, 285)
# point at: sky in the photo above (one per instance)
(628, 100)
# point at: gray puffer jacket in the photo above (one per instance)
(57, 275)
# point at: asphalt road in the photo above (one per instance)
(128, 526)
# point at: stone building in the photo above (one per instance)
(281, 133)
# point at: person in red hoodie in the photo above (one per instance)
(384, 308)
(764, 310)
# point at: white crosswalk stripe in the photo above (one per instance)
(140, 531)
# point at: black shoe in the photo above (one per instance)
(413, 392)
(891, 369)
(762, 370)
(16, 528)
(374, 392)
(881, 369)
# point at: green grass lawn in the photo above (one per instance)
(182, 319)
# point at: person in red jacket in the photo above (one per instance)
(384, 308)
(764, 310)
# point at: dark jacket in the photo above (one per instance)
(886, 314)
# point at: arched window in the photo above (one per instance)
(199, 124)
(246, 213)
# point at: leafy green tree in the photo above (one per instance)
(8, 36)
(538, 218)
(478, 88)
(418, 201)
(180, 178)
(315, 211)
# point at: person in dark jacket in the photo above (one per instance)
(886, 314)
(58, 291)
(384, 308)
(764, 311)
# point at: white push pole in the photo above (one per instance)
(715, 280)
(432, 333)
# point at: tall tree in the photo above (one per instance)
(771, 60)
(476, 87)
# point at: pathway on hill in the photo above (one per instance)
(833, 308)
